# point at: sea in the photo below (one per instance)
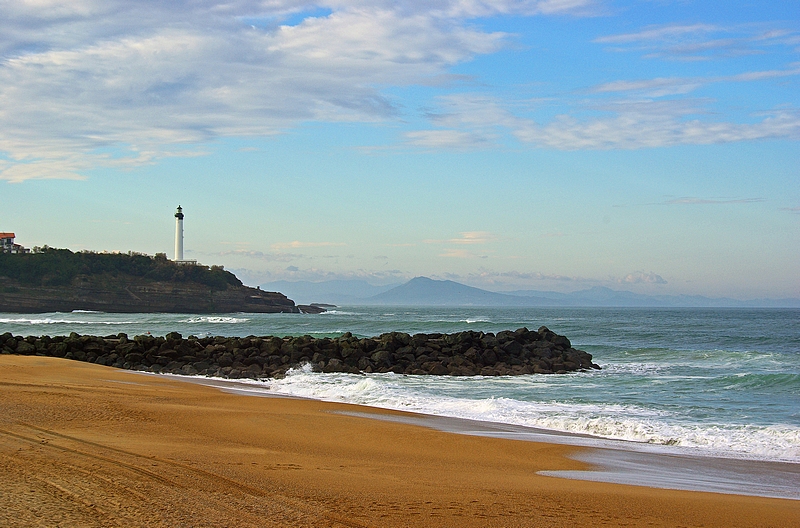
(714, 391)
(719, 383)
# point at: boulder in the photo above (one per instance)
(468, 353)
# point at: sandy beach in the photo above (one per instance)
(85, 445)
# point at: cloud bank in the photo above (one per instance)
(85, 83)
(632, 113)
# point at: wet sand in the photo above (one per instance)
(84, 445)
(616, 461)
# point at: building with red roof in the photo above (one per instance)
(7, 244)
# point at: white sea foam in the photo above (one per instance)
(711, 359)
(50, 321)
(215, 320)
(727, 388)
(610, 420)
(632, 368)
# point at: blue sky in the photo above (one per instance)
(651, 146)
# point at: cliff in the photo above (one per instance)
(58, 280)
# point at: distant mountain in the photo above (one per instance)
(423, 291)
(602, 296)
(343, 291)
(428, 292)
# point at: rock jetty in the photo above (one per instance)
(459, 354)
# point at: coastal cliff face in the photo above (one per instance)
(57, 280)
(129, 295)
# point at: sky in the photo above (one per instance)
(642, 145)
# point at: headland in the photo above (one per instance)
(58, 280)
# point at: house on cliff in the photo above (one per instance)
(7, 244)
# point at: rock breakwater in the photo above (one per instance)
(459, 354)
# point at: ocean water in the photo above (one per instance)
(709, 382)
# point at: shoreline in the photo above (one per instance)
(613, 461)
(88, 445)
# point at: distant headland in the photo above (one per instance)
(59, 280)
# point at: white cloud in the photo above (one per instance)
(659, 34)
(695, 42)
(467, 238)
(448, 139)
(639, 277)
(653, 87)
(466, 121)
(295, 273)
(458, 253)
(501, 277)
(515, 279)
(80, 79)
(648, 124)
(462, 254)
(67, 168)
(299, 244)
(663, 86)
(613, 124)
(87, 84)
(690, 200)
(625, 113)
(260, 255)
(474, 237)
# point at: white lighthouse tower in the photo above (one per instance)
(179, 235)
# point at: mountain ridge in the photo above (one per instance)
(424, 291)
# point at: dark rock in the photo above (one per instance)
(437, 369)
(364, 364)
(225, 360)
(253, 371)
(561, 342)
(381, 358)
(317, 358)
(520, 352)
(489, 357)
(134, 357)
(334, 365)
(188, 370)
(26, 349)
(512, 347)
(201, 365)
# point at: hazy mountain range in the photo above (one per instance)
(422, 291)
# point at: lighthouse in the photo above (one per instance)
(179, 235)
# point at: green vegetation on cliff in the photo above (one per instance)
(59, 267)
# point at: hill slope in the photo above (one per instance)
(58, 280)
(422, 291)
(430, 292)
